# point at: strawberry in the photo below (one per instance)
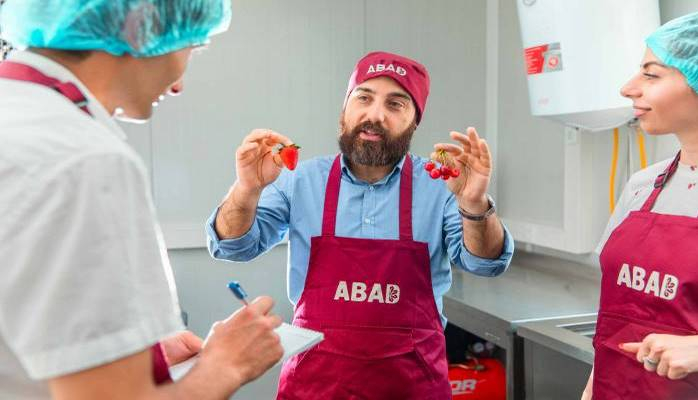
(289, 155)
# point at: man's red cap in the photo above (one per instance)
(411, 75)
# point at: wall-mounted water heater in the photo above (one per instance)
(578, 55)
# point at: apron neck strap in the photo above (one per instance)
(329, 215)
(406, 199)
(22, 72)
(660, 181)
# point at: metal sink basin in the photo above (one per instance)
(586, 329)
(571, 336)
(558, 356)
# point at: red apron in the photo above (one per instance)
(25, 73)
(649, 285)
(374, 301)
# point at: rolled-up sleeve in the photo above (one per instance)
(459, 254)
(268, 229)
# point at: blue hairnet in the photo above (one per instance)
(141, 28)
(676, 44)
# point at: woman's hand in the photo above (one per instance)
(671, 356)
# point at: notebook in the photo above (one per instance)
(294, 340)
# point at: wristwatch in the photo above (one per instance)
(479, 217)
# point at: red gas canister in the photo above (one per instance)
(478, 379)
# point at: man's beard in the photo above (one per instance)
(385, 152)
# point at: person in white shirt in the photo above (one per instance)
(88, 307)
(646, 341)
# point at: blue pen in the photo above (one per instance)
(238, 291)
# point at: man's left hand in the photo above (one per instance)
(671, 356)
(181, 347)
(472, 156)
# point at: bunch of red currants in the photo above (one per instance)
(444, 172)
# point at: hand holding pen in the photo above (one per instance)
(243, 346)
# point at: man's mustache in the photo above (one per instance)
(369, 126)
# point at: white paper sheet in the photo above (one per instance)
(294, 340)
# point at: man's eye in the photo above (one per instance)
(396, 104)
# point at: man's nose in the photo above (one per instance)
(376, 113)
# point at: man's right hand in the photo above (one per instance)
(257, 166)
(244, 346)
(255, 161)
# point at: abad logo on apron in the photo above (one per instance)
(638, 280)
(391, 294)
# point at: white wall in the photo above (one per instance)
(671, 9)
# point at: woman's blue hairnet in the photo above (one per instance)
(141, 28)
(676, 44)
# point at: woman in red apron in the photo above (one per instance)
(646, 342)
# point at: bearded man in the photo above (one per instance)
(372, 237)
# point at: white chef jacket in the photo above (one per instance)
(84, 275)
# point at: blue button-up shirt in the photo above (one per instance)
(293, 204)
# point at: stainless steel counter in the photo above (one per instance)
(569, 336)
(558, 356)
(535, 288)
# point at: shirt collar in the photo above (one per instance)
(57, 71)
(347, 172)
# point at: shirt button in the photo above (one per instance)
(370, 188)
(367, 220)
